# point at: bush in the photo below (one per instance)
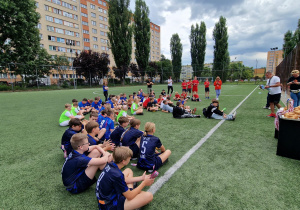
(5, 87)
(65, 84)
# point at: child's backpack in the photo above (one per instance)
(204, 111)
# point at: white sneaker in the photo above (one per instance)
(217, 98)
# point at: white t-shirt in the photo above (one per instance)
(170, 82)
(124, 114)
(272, 81)
(68, 114)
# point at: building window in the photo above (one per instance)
(77, 34)
(99, 1)
(100, 17)
(87, 48)
(50, 28)
(83, 6)
(39, 26)
(104, 11)
(86, 40)
(93, 23)
(51, 38)
(92, 6)
(86, 32)
(84, 14)
(95, 46)
(95, 39)
(104, 4)
(94, 31)
(77, 43)
(41, 36)
(93, 15)
(105, 19)
(100, 9)
(37, 4)
(85, 23)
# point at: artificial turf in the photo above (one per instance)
(237, 168)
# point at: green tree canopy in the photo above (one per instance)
(221, 54)
(198, 46)
(289, 43)
(120, 34)
(176, 54)
(142, 34)
(19, 35)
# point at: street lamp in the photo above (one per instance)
(273, 49)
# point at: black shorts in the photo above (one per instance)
(275, 98)
(189, 90)
(117, 203)
(207, 89)
(135, 149)
(81, 184)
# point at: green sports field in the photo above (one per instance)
(236, 168)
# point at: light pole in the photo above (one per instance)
(274, 50)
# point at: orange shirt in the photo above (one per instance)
(218, 84)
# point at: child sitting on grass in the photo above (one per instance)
(132, 137)
(84, 106)
(75, 110)
(94, 132)
(195, 96)
(176, 97)
(75, 126)
(151, 106)
(78, 171)
(115, 136)
(115, 189)
(213, 112)
(66, 116)
(135, 108)
(123, 113)
(149, 158)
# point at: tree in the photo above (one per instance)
(60, 63)
(289, 43)
(221, 54)
(120, 34)
(142, 35)
(91, 64)
(176, 54)
(19, 35)
(164, 68)
(198, 46)
(297, 34)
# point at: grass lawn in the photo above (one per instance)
(237, 168)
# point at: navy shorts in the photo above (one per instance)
(135, 150)
(275, 98)
(81, 184)
(117, 204)
(183, 90)
(158, 162)
(189, 90)
(207, 89)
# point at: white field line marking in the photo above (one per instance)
(163, 179)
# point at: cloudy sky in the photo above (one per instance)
(254, 26)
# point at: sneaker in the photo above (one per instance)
(266, 107)
(217, 98)
(198, 116)
(271, 115)
(150, 171)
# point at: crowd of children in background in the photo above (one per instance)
(86, 142)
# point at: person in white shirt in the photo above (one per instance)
(170, 86)
(274, 87)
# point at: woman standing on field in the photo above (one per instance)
(218, 84)
(105, 90)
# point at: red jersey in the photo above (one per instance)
(159, 100)
(206, 84)
(195, 83)
(177, 95)
(183, 85)
(218, 84)
(189, 84)
(184, 95)
(145, 103)
(196, 95)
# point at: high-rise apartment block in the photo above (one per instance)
(71, 26)
(274, 59)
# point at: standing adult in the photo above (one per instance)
(195, 83)
(294, 85)
(274, 87)
(170, 86)
(105, 90)
(218, 84)
(149, 85)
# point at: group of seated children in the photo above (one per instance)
(195, 96)
(85, 148)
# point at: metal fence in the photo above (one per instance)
(289, 63)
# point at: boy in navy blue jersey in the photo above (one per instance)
(108, 124)
(75, 126)
(94, 132)
(96, 105)
(149, 158)
(78, 171)
(84, 106)
(114, 188)
(132, 136)
(115, 136)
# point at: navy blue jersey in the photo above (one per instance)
(65, 140)
(81, 105)
(73, 168)
(91, 139)
(104, 86)
(111, 103)
(181, 101)
(130, 136)
(115, 136)
(147, 151)
(110, 186)
(108, 124)
(88, 103)
(99, 120)
(97, 105)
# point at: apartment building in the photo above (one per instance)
(70, 26)
(274, 59)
